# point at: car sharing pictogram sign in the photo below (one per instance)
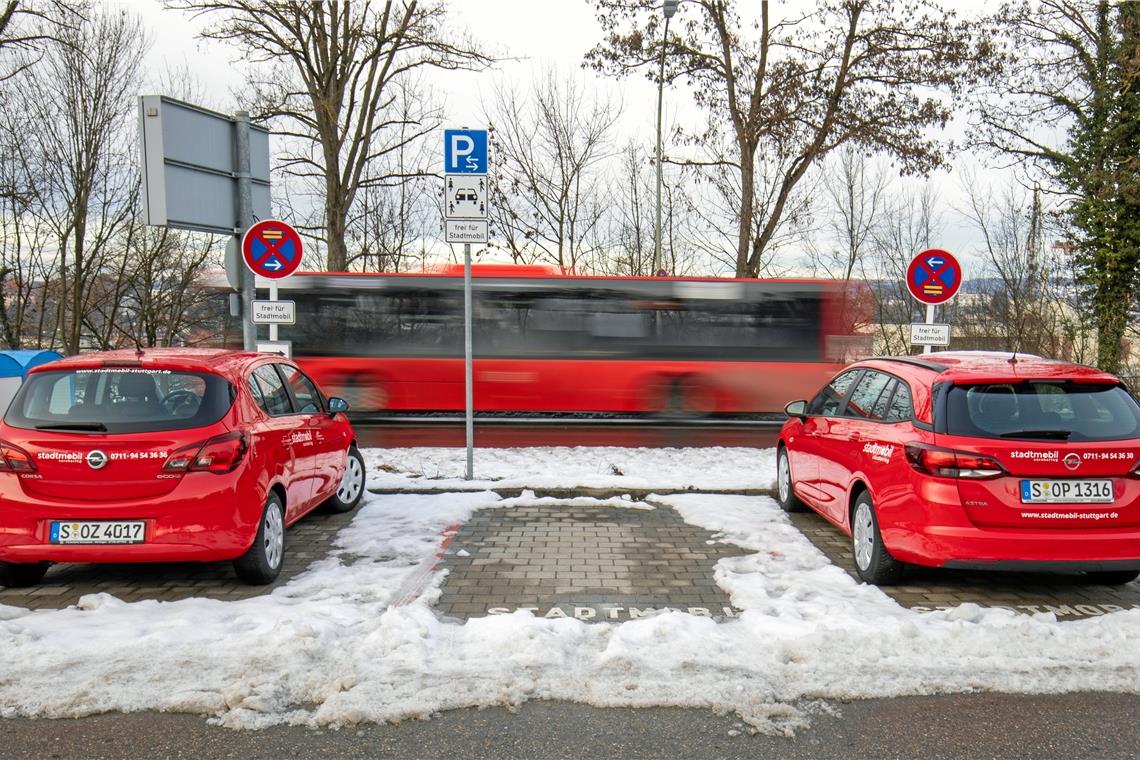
(272, 249)
(934, 276)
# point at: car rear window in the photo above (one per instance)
(1042, 411)
(120, 400)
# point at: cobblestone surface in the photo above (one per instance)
(307, 541)
(1069, 597)
(596, 563)
(593, 563)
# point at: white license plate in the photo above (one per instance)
(1066, 492)
(103, 532)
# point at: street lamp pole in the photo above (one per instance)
(669, 7)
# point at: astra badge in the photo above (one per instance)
(96, 459)
(1072, 461)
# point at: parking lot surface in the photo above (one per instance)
(1068, 597)
(595, 563)
(307, 541)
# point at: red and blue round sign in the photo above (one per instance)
(934, 276)
(272, 249)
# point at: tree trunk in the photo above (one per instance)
(336, 210)
(747, 207)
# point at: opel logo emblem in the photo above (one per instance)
(1072, 461)
(96, 459)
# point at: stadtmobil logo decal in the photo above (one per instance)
(1037, 456)
(879, 452)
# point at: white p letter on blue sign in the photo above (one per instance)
(465, 151)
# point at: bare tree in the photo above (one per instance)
(912, 223)
(26, 25)
(1021, 299)
(1067, 109)
(548, 187)
(396, 210)
(77, 162)
(790, 90)
(327, 80)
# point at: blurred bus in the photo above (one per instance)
(547, 342)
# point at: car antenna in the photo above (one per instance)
(1013, 357)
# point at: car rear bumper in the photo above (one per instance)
(210, 519)
(963, 546)
(1033, 566)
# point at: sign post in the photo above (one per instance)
(272, 249)
(465, 201)
(933, 278)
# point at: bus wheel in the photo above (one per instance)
(362, 394)
(678, 400)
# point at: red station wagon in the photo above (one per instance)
(971, 460)
(168, 455)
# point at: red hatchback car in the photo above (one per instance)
(168, 455)
(971, 460)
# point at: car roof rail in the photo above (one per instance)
(914, 361)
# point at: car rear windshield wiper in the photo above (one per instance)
(96, 427)
(1059, 434)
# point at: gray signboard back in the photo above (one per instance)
(189, 167)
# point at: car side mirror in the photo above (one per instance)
(337, 405)
(796, 409)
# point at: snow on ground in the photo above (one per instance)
(713, 468)
(327, 649)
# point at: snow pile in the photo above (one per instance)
(704, 469)
(328, 649)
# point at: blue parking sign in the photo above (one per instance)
(465, 151)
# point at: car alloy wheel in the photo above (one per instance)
(783, 476)
(274, 536)
(863, 535)
(351, 482)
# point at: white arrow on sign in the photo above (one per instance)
(273, 265)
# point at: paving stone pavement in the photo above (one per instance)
(308, 540)
(595, 563)
(1069, 597)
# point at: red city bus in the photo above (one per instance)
(547, 342)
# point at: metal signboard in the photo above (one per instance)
(465, 196)
(189, 167)
(934, 276)
(272, 249)
(466, 231)
(929, 334)
(274, 313)
(465, 151)
(283, 347)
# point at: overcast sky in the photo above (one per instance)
(539, 33)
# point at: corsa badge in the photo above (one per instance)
(96, 459)
(1072, 461)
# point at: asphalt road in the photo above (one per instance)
(932, 728)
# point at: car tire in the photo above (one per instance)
(785, 494)
(351, 488)
(22, 574)
(1113, 577)
(261, 564)
(873, 562)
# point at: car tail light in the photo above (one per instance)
(948, 463)
(15, 459)
(218, 455)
